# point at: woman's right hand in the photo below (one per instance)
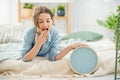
(40, 40)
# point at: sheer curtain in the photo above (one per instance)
(74, 15)
(5, 12)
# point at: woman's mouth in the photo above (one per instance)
(45, 29)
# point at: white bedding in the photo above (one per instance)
(41, 66)
(11, 33)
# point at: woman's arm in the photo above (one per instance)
(32, 53)
(62, 53)
(39, 41)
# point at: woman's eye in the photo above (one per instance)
(40, 22)
(48, 21)
(43, 21)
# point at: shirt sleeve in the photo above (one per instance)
(27, 43)
(54, 48)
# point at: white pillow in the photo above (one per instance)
(11, 33)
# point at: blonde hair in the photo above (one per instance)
(38, 11)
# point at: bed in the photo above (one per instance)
(11, 66)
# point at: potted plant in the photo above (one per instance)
(53, 11)
(61, 10)
(28, 9)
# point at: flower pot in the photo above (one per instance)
(61, 12)
(27, 12)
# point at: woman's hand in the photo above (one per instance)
(76, 45)
(42, 38)
(66, 50)
(39, 41)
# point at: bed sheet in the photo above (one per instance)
(10, 50)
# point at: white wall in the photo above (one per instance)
(91, 10)
(8, 12)
(13, 11)
(84, 14)
(4, 12)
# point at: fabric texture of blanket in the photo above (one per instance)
(40, 66)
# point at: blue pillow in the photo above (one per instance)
(84, 36)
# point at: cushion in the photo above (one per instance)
(11, 33)
(84, 36)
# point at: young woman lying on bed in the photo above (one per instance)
(43, 39)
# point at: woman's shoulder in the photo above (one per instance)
(53, 30)
(54, 33)
(30, 33)
(30, 30)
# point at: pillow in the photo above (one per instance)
(87, 62)
(84, 36)
(11, 33)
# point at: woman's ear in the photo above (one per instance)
(53, 22)
(37, 29)
(38, 32)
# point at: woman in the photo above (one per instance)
(43, 39)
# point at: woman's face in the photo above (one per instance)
(44, 22)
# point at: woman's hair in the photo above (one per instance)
(38, 11)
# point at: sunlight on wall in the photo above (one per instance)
(92, 10)
(4, 12)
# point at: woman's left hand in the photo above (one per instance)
(76, 45)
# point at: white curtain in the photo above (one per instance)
(74, 15)
(4, 11)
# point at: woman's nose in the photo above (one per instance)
(45, 25)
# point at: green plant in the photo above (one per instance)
(117, 36)
(53, 11)
(61, 7)
(28, 6)
(110, 21)
(113, 22)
